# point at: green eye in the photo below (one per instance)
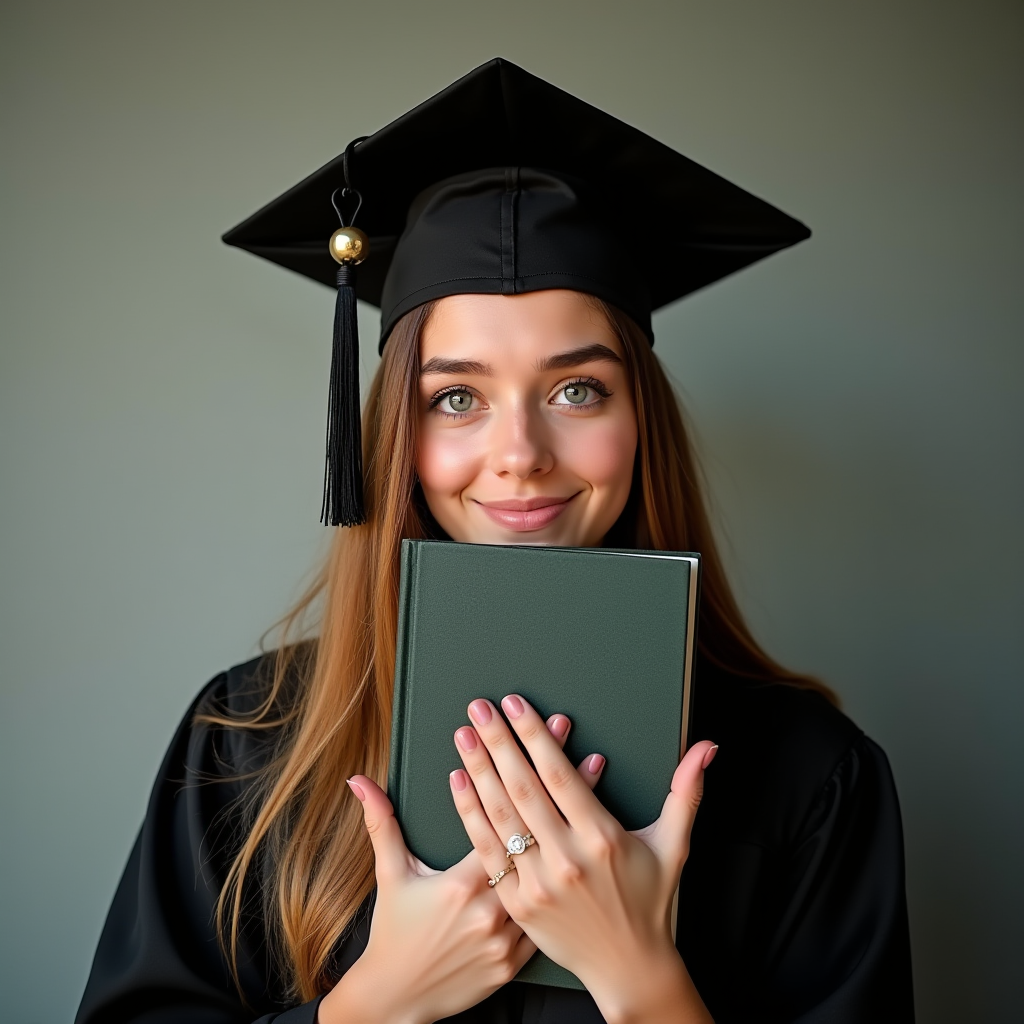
(576, 393)
(458, 401)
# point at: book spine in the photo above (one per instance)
(403, 659)
(691, 646)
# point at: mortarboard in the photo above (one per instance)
(501, 184)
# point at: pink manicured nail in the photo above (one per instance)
(480, 711)
(558, 726)
(710, 756)
(513, 706)
(360, 795)
(595, 764)
(458, 780)
(467, 739)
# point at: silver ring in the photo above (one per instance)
(518, 844)
(492, 882)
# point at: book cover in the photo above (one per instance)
(604, 636)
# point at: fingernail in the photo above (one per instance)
(458, 780)
(558, 726)
(360, 795)
(466, 738)
(513, 706)
(710, 756)
(595, 764)
(480, 711)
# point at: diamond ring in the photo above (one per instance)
(517, 844)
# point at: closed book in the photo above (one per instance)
(604, 636)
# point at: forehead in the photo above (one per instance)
(514, 327)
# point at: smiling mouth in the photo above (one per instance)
(525, 514)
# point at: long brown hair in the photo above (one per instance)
(336, 722)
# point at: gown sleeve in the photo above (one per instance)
(841, 951)
(158, 960)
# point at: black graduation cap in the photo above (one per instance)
(501, 184)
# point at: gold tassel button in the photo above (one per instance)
(349, 245)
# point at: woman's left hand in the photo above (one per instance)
(596, 898)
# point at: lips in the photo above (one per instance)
(525, 514)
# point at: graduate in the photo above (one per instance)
(516, 240)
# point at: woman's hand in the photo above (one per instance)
(440, 941)
(595, 898)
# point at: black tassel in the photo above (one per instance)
(343, 472)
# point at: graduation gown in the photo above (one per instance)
(792, 904)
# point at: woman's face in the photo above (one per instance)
(527, 430)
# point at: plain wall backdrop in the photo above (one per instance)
(858, 399)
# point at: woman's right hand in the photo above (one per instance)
(440, 941)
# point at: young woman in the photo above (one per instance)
(518, 401)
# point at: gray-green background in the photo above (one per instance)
(859, 398)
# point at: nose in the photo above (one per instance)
(520, 444)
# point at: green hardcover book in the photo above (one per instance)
(604, 636)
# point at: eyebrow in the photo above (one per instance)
(438, 364)
(560, 361)
(585, 354)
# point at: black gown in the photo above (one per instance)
(792, 904)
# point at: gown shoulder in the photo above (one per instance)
(778, 746)
(158, 960)
(792, 904)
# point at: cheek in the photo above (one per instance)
(603, 455)
(447, 461)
